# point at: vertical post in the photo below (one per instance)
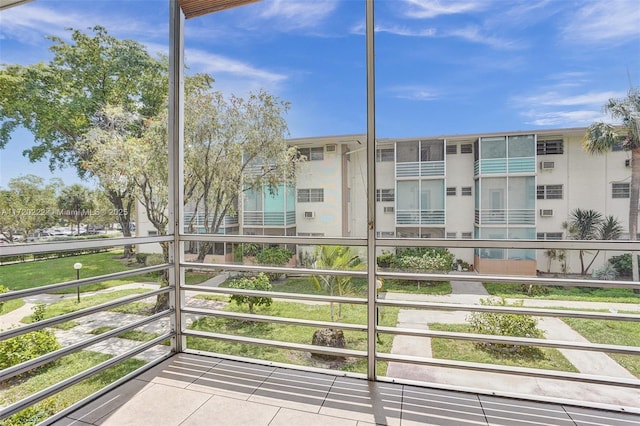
(372, 320)
(176, 175)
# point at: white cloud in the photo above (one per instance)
(414, 92)
(217, 64)
(296, 14)
(613, 21)
(475, 34)
(423, 9)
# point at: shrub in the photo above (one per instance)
(386, 259)
(622, 264)
(26, 346)
(3, 289)
(34, 414)
(259, 282)
(142, 258)
(607, 272)
(273, 256)
(154, 259)
(498, 324)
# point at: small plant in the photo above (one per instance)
(26, 346)
(499, 324)
(38, 312)
(607, 272)
(259, 282)
(141, 258)
(622, 264)
(3, 289)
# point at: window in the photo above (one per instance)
(620, 190)
(466, 235)
(311, 195)
(386, 194)
(549, 235)
(451, 190)
(384, 154)
(549, 192)
(466, 191)
(385, 234)
(310, 234)
(312, 154)
(466, 148)
(452, 149)
(452, 235)
(553, 146)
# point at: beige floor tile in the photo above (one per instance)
(223, 411)
(158, 405)
(234, 379)
(288, 417)
(180, 371)
(440, 407)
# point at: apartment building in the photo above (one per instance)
(511, 185)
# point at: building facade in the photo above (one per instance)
(513, 185)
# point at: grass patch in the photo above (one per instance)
(296, 334)
(67, 325)
(58, 371)
(358, 287)
(51, 271)
(137, 335)
(461, 350)
(135, 308)
(71, 305)
(588, 294)
(11, 305)
(624, 333)
(192, 277)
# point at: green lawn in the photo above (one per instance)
(589, 294)
(461, 350)
(58, 371)
(137, 335)
(612, 333)
(11, 305)
(296, 334)
(19, 276)
(358, 287)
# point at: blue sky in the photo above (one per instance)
(442, 67)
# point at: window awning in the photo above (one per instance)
(193, 8)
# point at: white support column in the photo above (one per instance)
(176, 167)
(372, 309)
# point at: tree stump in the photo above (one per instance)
(328, 337)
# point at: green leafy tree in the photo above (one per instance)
(76, 203)
(28, 204)
(591, 225)
(602, 137)
(258, 283)
(274, 256)
(60, 101)
(338, 258)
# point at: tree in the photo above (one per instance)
(76, 203)
(232, 146)
(338, 258)
(591, 225)
(258, 283)
(601, 138)
(60, 101)
(28, 204)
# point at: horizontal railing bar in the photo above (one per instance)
(79, 283)
(565, 282)
(47, 392)
(111, 386)
(261, 239)
(17, 249)
(276, 294)
(519, 371)
(614, 245)
(23, 367)
(518, 341)
(540, 312)
(272, 319)
(12, 332)
(274, 269)
(326, 350)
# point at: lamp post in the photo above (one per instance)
(77, 266)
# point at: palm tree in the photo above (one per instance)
(590, 225)
(601, 138)
(338, 258)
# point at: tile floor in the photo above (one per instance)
(192, 390)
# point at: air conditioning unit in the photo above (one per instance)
(389, 209)
(331, 147)
(627, 162)
(309, 215)
(547, 165)
(546, 212)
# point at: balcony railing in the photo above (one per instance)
(420, 169)
(262, 218)
(420, 217)
(505, 216)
